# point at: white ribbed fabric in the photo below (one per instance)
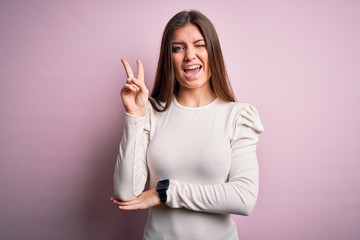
(209, 155)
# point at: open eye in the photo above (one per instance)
(176, 49)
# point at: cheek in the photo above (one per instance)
(175, 62)
(177, 65)
(204, 57)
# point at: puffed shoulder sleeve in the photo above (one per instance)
(248, 127)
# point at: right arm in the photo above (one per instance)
(131, 169)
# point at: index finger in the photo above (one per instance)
(128, 69)
(140, 69)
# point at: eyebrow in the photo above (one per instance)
(199, 40)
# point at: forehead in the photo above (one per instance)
(187, 33)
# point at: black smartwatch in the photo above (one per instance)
(161, 188)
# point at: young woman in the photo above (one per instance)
(194, 142)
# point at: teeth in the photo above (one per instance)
(192, 67)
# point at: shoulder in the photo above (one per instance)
(234, 109)
(244, 115)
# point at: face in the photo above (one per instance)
(190, 58)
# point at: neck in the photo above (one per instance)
(194, 98)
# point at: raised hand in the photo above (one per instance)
(134, 93)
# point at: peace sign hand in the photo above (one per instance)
(134, 93)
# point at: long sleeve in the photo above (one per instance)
(238, 195)
(131, 169)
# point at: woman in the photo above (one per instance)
(196, 144)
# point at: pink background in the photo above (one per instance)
(61, 116)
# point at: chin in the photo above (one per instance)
(193, 84)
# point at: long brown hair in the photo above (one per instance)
(166, 86)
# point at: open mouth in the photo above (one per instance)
(192, 70)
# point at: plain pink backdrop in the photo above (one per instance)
(61, 116)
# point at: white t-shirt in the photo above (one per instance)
(209, 155)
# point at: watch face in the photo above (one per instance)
(162, 185)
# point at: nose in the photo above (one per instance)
(190, 54)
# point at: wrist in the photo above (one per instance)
(136, 113)
(161, 189)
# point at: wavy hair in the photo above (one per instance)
(166, 86)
